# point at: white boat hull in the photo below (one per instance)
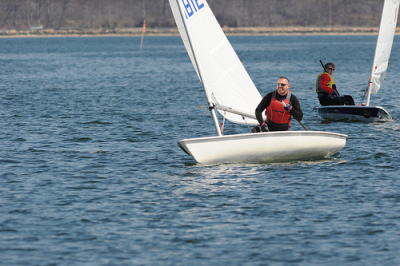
(353, 113)
(269, 147)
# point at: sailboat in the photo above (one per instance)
(364, 112)
(230, 90)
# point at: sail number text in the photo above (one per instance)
(192, 6)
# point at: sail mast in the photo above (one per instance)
(199, 72)
(368, 93)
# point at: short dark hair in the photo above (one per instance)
(330, 64)
(284, 78)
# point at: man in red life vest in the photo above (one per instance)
(326, 88)
(279, 105)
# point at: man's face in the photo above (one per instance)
(283, 87)
(330, 70)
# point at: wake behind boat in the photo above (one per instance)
(364, 112)
(230, 90)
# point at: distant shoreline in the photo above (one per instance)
(260, 31)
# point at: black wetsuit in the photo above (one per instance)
(296, 111)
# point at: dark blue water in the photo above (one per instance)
(90, 173)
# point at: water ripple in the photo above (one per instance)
(90, 172)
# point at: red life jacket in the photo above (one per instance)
(275, 111)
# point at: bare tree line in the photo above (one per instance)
(113, 14)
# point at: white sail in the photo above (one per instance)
(224, 78)
(384, 44)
